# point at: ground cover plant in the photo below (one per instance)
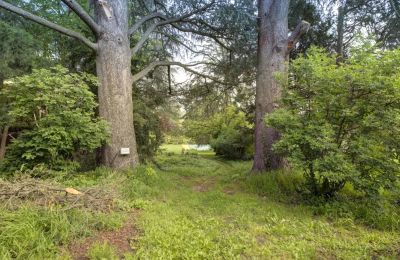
(196, 207)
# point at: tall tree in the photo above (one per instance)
(112, 34)
(274, 46)
(16, 58)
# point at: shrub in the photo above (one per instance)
(57, 112)
(341, 123)
(228, 133)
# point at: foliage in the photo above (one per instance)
(16, 51)
(340, 124)
(147, 123)
(228, 133)
(57, 112)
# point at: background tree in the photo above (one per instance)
(16, 58)
(273, 49)
(111, 30)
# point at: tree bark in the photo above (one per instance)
(340, 30)
(3, 142)
(113, 63)
(272, 49)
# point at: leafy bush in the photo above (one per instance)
(341, 124)
(57, 112)
(228, 133)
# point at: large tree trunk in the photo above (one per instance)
(340, 30)
(3, 142)
(272, 50)
(115, 90)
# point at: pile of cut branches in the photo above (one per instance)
(47, 193)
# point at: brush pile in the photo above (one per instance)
(49, 194)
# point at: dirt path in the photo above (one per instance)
(120, 239)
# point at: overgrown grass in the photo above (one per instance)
(200, 207)
(36, 233)
(348, 206)
(240, 216)
(101, 251)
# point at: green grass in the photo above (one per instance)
(101, 251)
(200, 207)
(175, 149)
(226, 219)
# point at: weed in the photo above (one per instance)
(102, 251)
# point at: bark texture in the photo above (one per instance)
(115, 91)
(340, 30)
(272, 49)
(3, 142)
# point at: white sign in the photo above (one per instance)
(125, 151)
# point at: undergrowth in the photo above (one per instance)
(200, 207)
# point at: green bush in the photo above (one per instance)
(341, 124)
(228, 133)
(57, 112)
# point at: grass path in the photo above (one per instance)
(194, 207)
(204, 210)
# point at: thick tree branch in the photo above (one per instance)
(165, 21)
(48, 24)
(156, 64)
(143, 39)
(144, 19)
(295, 36)
(85, 17)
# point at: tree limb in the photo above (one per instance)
(156, 64)
(395, 7)
(143, 39)
(48, 24)
(209, 35)
(81, 13)
(144, 19)
(295, 36)
(165, 21)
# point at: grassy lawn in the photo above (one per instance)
(205, 210)
(193, 207)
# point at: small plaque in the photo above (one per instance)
(125, 151)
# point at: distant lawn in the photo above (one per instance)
(177, 149)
